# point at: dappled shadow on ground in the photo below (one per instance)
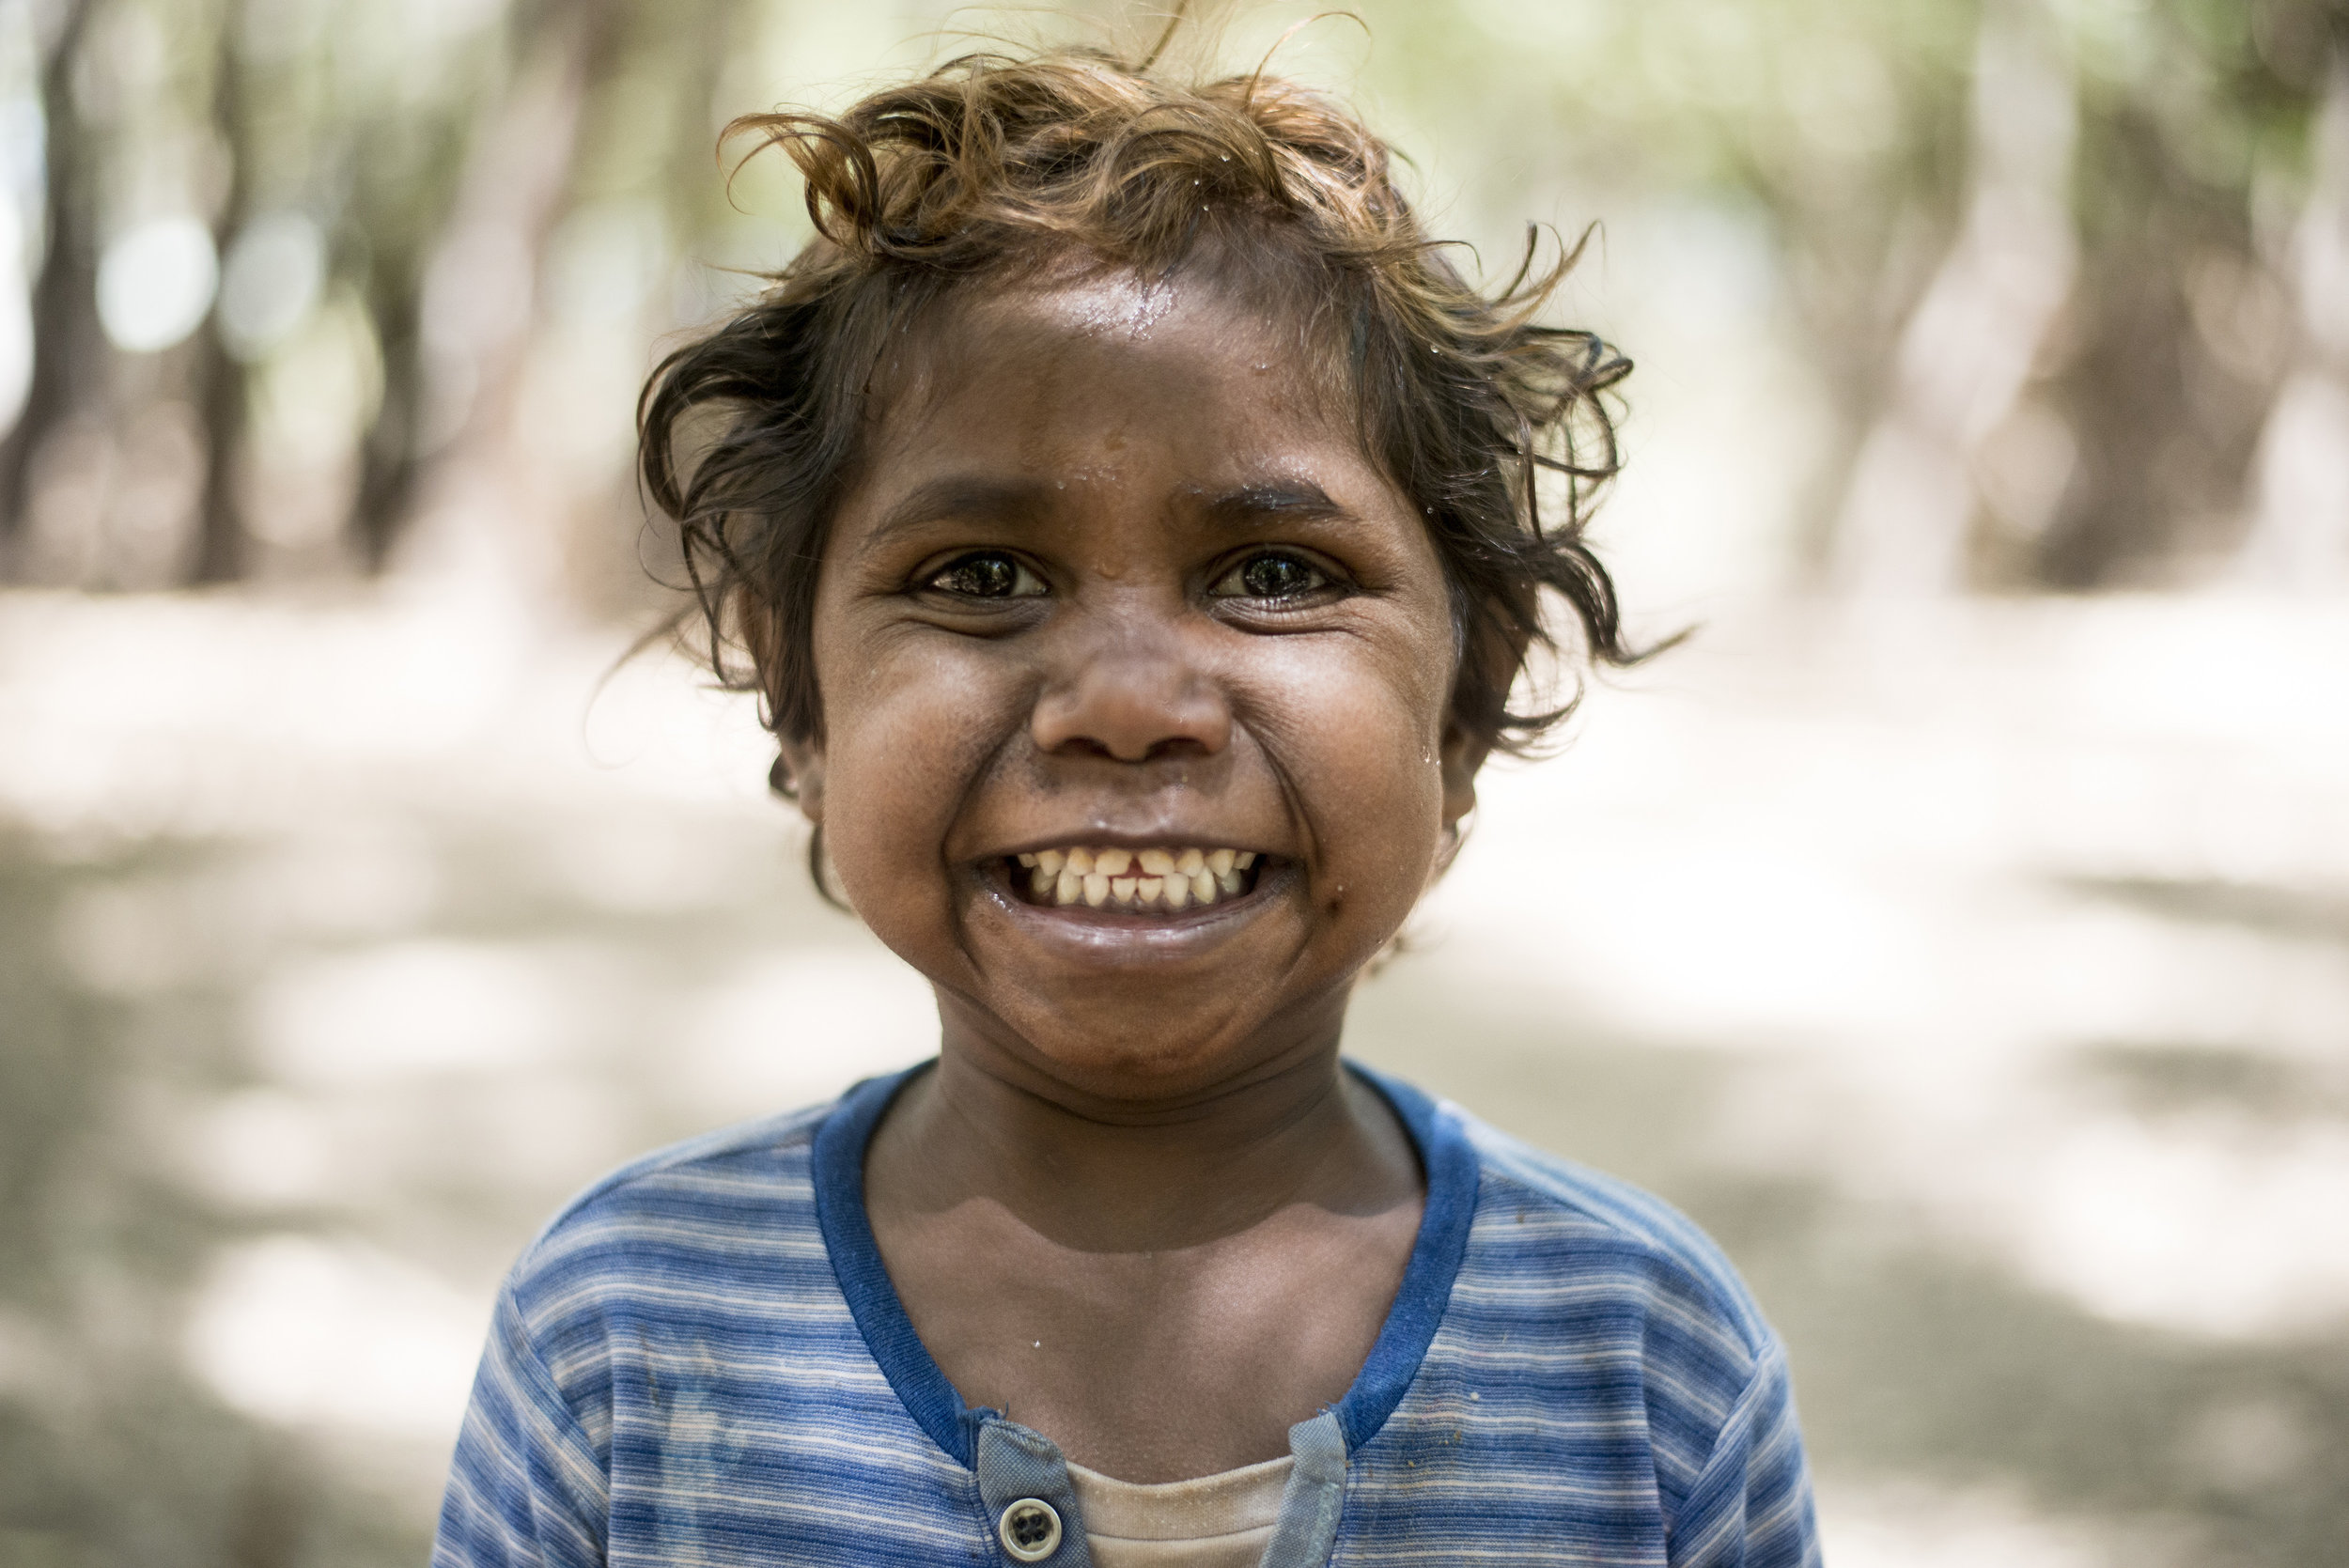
(1918, 1359)
(111, 1451)
(164, 1162)
(2156, 1078)
(2273, 911)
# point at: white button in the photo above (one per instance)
(1029, 1529)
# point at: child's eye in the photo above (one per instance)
(1270, 576)
(988, 575)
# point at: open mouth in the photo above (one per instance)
(1134, 881)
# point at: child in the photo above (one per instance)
(1131, 522)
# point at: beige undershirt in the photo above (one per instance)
(1216, 1521)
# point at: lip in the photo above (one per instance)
(1101, 838)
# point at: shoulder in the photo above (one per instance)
(1591, 1330)
(734, 1202)
(1560, 1239)
(753, 1163)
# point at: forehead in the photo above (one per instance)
(1112, 375)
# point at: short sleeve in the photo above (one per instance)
(1751, 1504)
(527, 1488)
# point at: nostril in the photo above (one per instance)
(1118, 748)
(1132, 710)
(1179, 749)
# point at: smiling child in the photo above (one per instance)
(1130, 521)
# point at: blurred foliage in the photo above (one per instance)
(513, 200)
(1848, 127)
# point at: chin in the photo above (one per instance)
(1121, 1058)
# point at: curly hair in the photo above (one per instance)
(992, 166)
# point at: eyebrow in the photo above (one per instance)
(984, 499)
(960, 495)
(1297, 499)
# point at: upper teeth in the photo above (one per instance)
(1136, 878)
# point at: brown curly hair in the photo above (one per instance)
(992, 166)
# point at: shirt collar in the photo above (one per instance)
(1445, 1157)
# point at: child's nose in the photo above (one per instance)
(1133, 704)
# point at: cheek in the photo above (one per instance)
(1358, 726)
(905, 733)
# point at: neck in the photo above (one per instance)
(1099, 1173)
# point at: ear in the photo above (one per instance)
(798, 772)
(1460, 756)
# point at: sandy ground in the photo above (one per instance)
(1979, 974)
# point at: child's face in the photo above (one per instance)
(1111, 574)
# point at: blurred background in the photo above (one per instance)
(1958, 926)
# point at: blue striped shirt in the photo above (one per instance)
(702, 1362)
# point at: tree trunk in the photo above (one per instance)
(219, 380)
(1967, 349)
(387, 456)
(67, 348)
(479, 512)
